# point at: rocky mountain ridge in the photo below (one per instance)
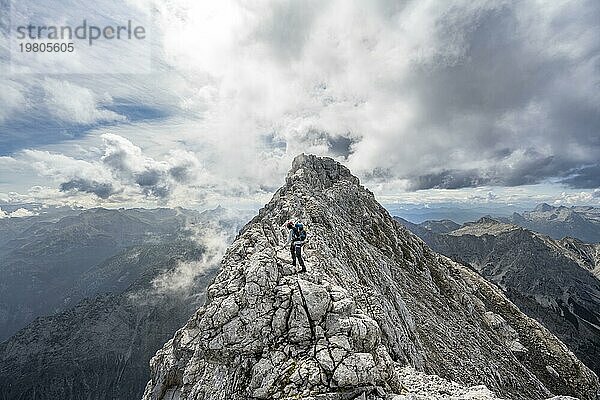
(585, 254)
(483, 226)
(375, 299)
(552, 281)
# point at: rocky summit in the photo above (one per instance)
(378, 315)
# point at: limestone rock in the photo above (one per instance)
(549, 280)
(374, 299)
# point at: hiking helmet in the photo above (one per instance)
(299, 225)
(290, 224)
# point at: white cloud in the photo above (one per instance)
(120, 171)
(578, 198)
(525, 196)
(11, 98)
(21, 212)
(18, 213)
(181, 279)
(76, 104)
(409, 87)
(412, 94)
(61, 167)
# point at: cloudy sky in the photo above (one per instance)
(467, 102)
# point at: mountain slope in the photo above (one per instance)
(375, 298)
(100, 348)
(441, 226)
(96, 350)
(584, 254)
(549, 280)
(43, 260)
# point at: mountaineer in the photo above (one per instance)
(296, 238)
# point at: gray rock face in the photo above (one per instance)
(585, 254)
(551, 281)
(420, 386)
(374, 299)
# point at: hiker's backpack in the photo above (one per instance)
(299, 232)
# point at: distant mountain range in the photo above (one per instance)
(578, 222)
(103, 344)
(117, 285)
(45, 262)
(581, 222)
(554, 281)
(451, 211)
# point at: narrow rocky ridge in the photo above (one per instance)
(374, 299)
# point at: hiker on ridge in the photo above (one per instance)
(296, 238)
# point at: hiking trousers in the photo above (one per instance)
(296, 250)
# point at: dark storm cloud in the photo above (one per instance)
(497, 72)
(584, 178)
(511, 93)
(340, 145)
(118, 161)
(185, 169)
(101, 189)
(498, 93)
(449, 180)
(530, 169)
(153, 183)
(148, 178)
(337, 145)
(180, 173)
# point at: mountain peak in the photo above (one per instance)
(484, 226)
(321, 172)
(374, 298)
(487, 219)
(543, 207)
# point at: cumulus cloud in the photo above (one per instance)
(433, 94)
(121, 169)
(127, 163)
(63, 168)
(21, 212)
(18, 213)
(577, 198)
(485, 113)
(76, 104)
(101, 189)
(181, 279)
